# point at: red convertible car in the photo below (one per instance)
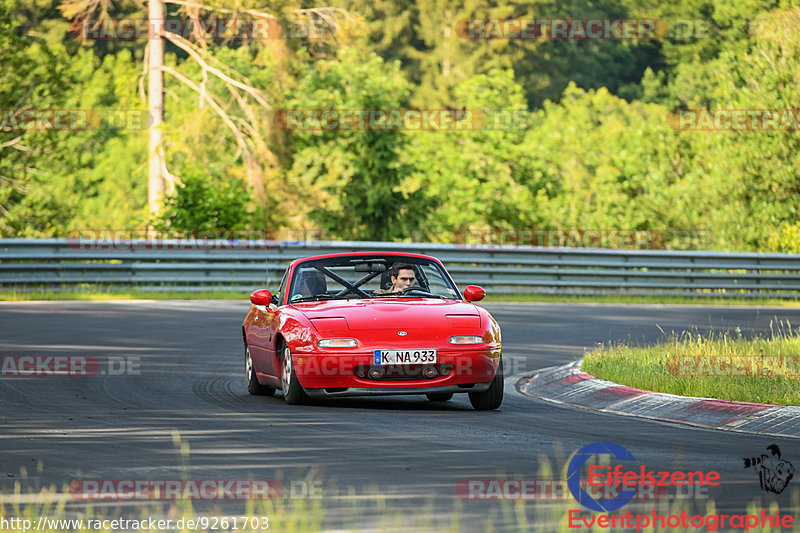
(377, 323)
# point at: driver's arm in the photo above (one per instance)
(381, 292)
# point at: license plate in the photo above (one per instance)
(405, 357)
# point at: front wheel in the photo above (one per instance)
(253, 386)
(492, 397)
(293, 392)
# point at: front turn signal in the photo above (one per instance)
(466, 339)
(337, 343)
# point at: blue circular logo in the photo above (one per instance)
(574, 476)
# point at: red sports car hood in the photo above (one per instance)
(401, 313)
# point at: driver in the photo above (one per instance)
(403, 276)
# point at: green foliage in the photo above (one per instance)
(206, 202)
(354, 179)
(33, 77)
(423, 35)
(786, 239)
(757, 173)
(472, 174)
(567, 133)
(613, 164)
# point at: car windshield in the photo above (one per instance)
(370, 276)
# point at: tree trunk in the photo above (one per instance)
(155, 86)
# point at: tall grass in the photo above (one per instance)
(723, 365)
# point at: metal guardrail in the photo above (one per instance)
(246, 265)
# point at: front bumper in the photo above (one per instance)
(355, 391)
(343, 374)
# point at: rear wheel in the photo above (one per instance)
(293, 392)
(253, 386)
(492, 397)
(439, 396)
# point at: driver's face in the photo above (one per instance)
(405, 278)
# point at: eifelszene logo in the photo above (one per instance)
(607, 476)
(774, 472)
(574, 476)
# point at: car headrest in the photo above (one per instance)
(386, 279)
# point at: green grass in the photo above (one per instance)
(101, 293)
(765, 369)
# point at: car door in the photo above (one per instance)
(261, 333)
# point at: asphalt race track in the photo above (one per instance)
(171, 374)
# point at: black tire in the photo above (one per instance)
(253, 386)
(439, 396)
(293, 392)
(492, 397)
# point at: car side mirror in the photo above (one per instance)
(261, 297)
(473, 293)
